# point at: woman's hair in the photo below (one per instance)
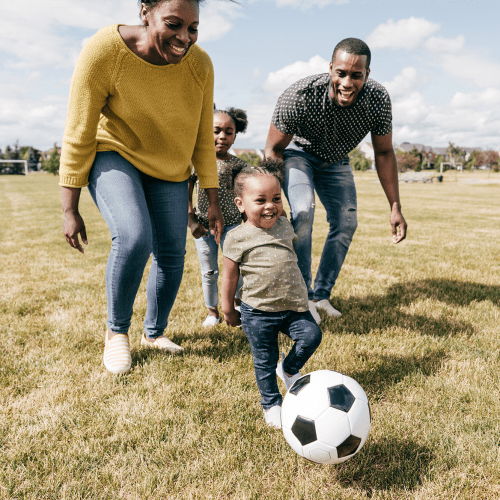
(241, 173)
(154, 3)
(238, 116)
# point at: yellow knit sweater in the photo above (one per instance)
(159, 118)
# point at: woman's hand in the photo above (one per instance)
(73, 224)
(215, 219)
(197, 229)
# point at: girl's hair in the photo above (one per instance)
(238, 116)
(241, 173)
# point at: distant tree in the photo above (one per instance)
(250, 158)
(358, 160)
(456, 154)
(52, 164)
(406, 161)
(438, 159)
(16, 153)
(474, 160)
(417, 154)
(490, 159)
(8, 153)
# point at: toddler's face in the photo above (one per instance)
(261, 201)
(224, 134)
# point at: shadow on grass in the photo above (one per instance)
(364, 315)
(218, 343)
(382, 372)
(389, 464)
(221, 342)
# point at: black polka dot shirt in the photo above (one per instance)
(324, 129)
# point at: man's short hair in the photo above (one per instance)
(354, 46)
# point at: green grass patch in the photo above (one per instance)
(419, 332)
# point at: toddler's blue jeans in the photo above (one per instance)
(262, 329)
(145, 216)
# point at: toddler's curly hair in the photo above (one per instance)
(241, 173)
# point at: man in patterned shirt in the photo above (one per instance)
(316, 123)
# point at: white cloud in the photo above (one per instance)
(260, 113)
(470, 66)
(484, 99)
(439, 44)
(277, 81)
(38, 123)
(469, 119)
(403, 34)
(402, 83)
(410, 109)
(42, 36)
(215, 20)
(307, 4)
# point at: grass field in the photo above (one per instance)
(420, 332)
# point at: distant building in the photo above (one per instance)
(367, 149)
(238, 152)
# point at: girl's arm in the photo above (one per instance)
(230, 278)
(197, 230)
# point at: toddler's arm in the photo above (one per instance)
(230, 278)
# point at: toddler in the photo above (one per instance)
(274, 294)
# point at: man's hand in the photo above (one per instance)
(398, 225)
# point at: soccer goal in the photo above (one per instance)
(8, 167)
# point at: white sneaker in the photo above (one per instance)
(211, 321)
(273, 416)
(289, 381)
(325, 305)
(314, 312)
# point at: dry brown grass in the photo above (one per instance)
(419, 332)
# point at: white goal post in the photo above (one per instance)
(17, 161)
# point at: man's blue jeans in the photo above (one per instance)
(144, 215)
(334, 184)
(208, 252)
(262, 329)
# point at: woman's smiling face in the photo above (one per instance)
(172, 27)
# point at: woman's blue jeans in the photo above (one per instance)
(262, 329)
(334, 184)
(208, 253)
(145, 216)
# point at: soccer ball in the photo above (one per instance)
(326, 417)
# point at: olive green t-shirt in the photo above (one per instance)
(272, 280)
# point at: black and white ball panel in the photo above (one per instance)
(326, 417)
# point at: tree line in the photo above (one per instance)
(455, 156)
(32, 155)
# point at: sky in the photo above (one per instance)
(438, 59)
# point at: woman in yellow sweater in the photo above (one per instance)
(140, 109)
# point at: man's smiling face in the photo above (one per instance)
(348, 73)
